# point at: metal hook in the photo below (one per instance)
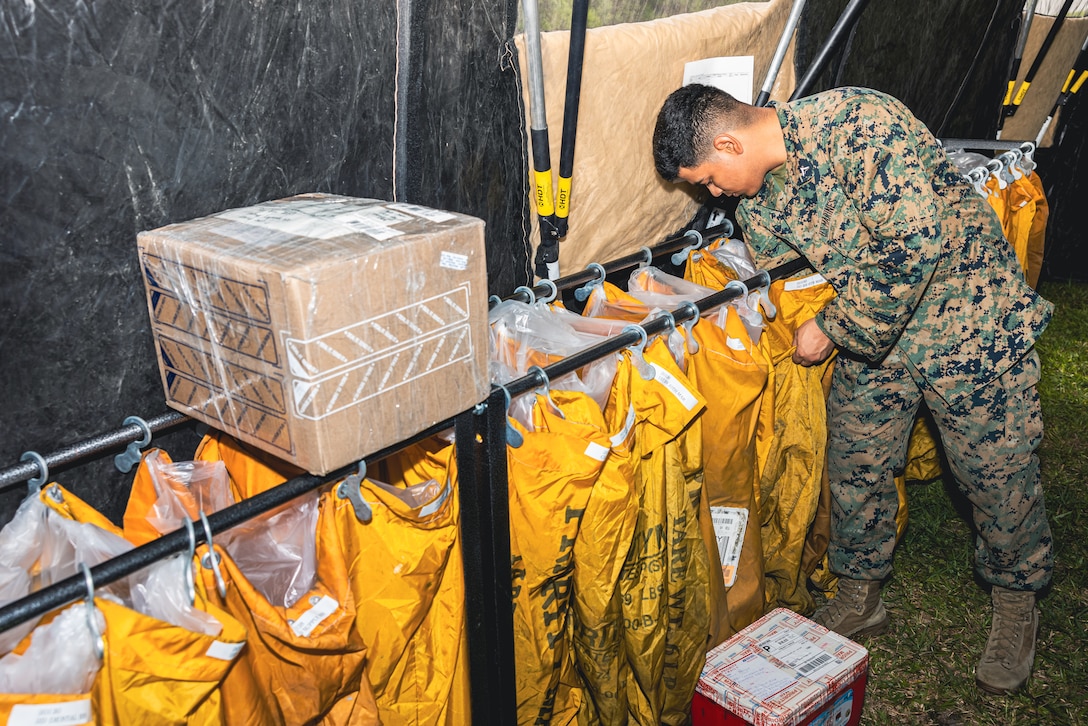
(648, 254)
(553, 292)
(493, 300)
(693, 345)
(35, 483)
(748, 313)
(996, 172)
(528, 292)
(678, 258)
(669, 318)
(582, 293)
(644, 369)
(351, 488)
(545, 388)
(513, 436)
(211, 559)
(92, 619)
(131, 455)
(1027, 162)
(190, 584)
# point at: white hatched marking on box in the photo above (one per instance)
(399, 329)
(380, 373)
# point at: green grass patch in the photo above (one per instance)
(922, 669)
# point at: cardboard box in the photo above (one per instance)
(782, 670)
(320, 328)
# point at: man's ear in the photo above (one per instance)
(728, 144)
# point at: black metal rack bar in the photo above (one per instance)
(74, 587)
(88, 448)
(983, 144)
(672, 244)
(616, 343)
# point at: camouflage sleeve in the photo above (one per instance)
(768, 251)
(897, 247)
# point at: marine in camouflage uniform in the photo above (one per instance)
(931, 306)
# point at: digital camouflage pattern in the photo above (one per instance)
(918, 259)
(931, 305)
(990, 440)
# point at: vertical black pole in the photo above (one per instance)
(846, 22)
(485, 539)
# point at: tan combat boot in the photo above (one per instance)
(855, 610)
(1010, 650)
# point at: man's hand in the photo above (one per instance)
(811, 345)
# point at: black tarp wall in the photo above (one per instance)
(118, 116)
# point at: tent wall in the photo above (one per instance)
(124, 115)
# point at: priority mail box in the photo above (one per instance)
(782, 670)
(320, 328)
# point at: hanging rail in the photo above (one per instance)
(93, 446)
(74, 587)
(585, 275)
(616, 343)
(983, 144)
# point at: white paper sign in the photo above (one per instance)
(732, 74)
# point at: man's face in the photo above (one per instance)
(726, 172)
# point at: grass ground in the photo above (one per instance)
(922, 669)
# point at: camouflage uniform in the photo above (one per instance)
(931, 306)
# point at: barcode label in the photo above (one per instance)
(729, 526)
(453, 261)
(806, 668)
(808, 659)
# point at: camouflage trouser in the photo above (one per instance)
(990, 440)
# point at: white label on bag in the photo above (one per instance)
(51, 714)
(675, 387)
(619, 438)
(224, 651)
(734, 343)
(597, 452)
(313, 617)
(729, 525)
(453, 261)
(805, 282)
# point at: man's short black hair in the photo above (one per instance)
(687, 123)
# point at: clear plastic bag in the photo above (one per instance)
(276, 551)
(60, 659)
(185, 489)
(164, 592)
(524, 335)
(659, 288)
(734, 254)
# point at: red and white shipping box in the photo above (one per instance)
(320, 328)
(782, 670)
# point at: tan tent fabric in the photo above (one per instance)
(1046, 86)
(628, 71)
